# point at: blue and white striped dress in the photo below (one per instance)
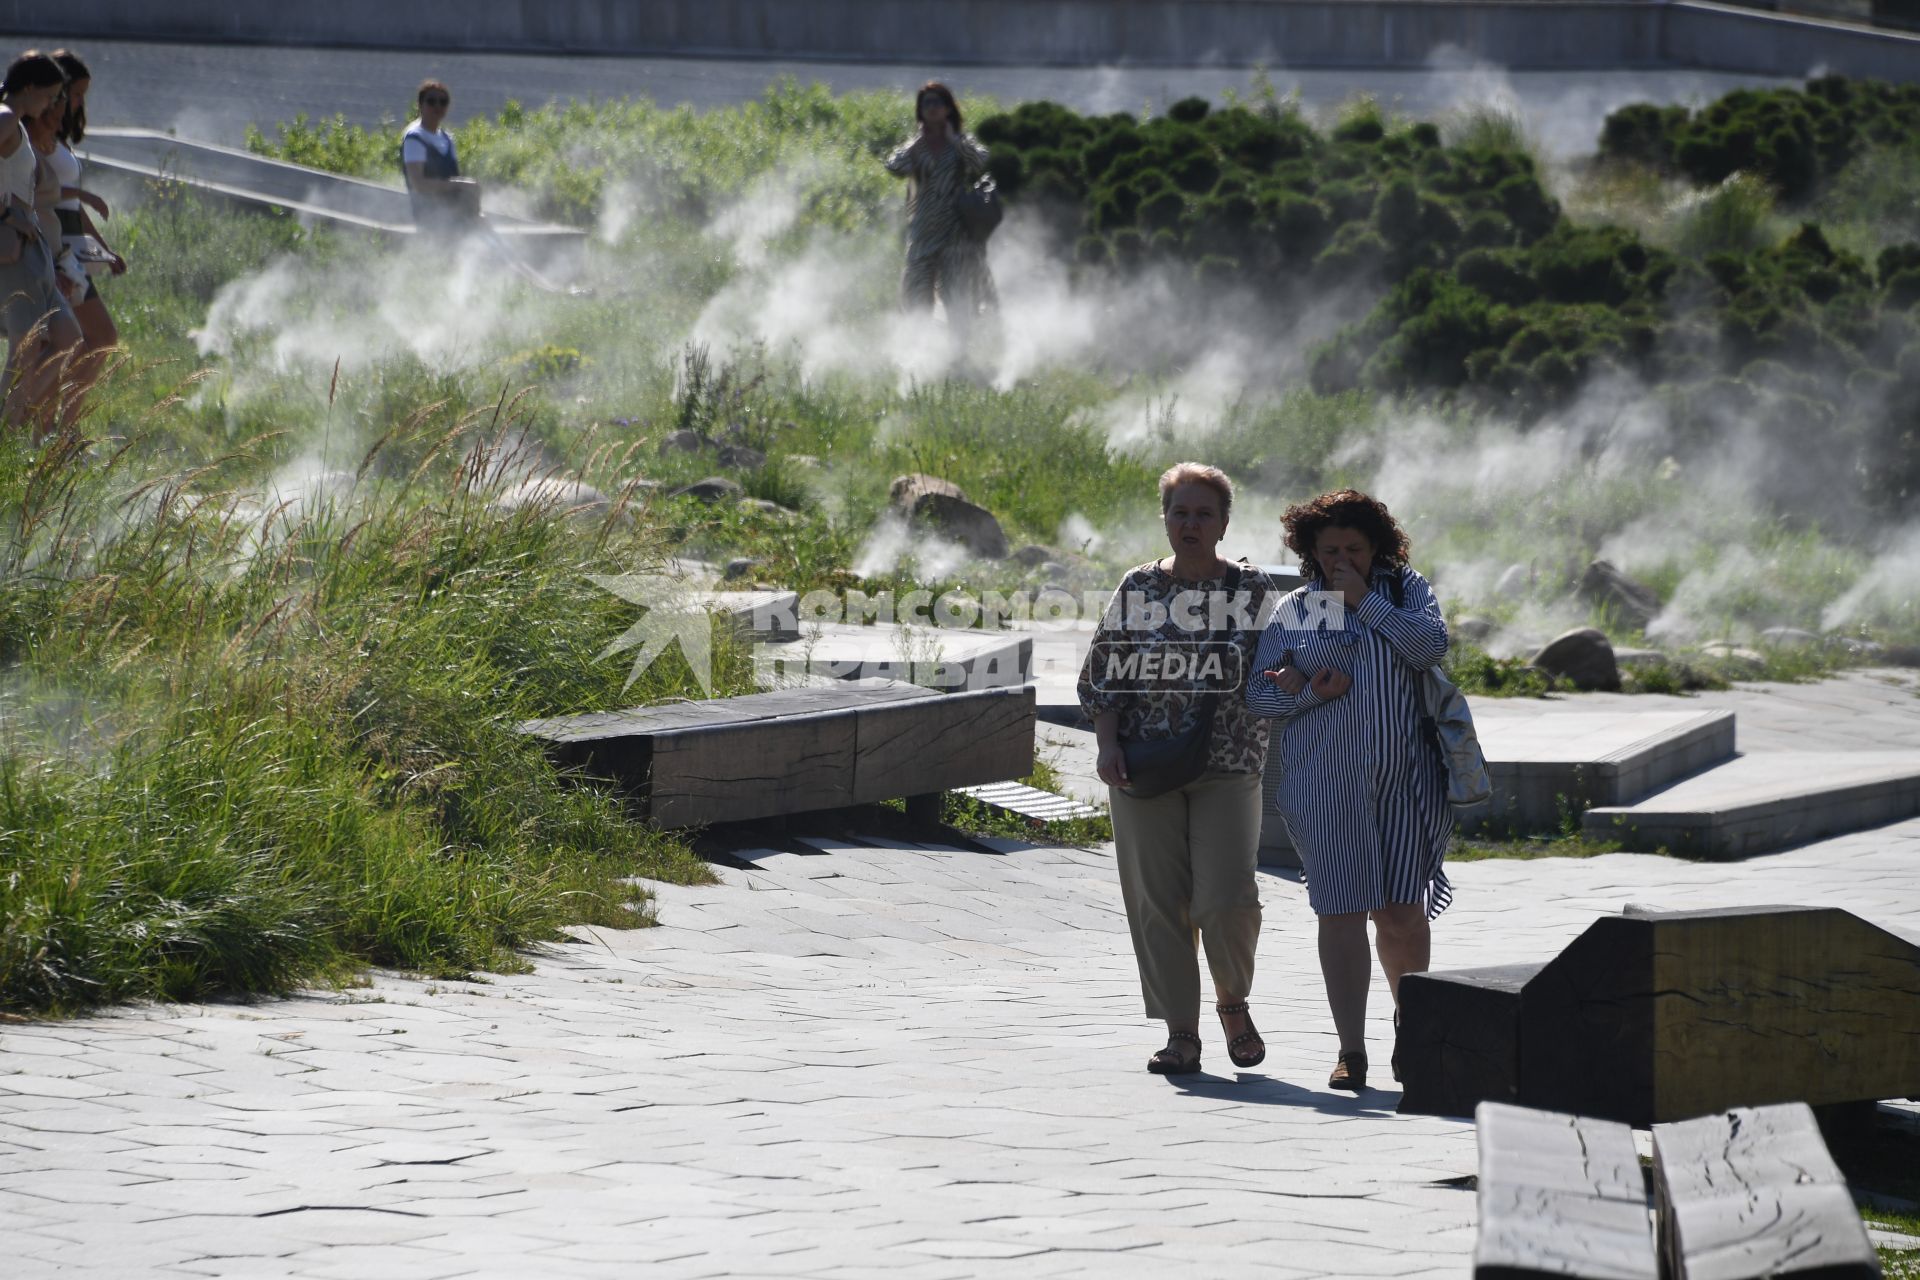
(1362, 788)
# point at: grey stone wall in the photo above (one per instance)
(1569, 34)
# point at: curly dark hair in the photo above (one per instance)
(1344, 509)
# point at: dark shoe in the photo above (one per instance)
(1250, 1036)
(1393, 1062)
(1170, 1061)
(1351, 1073)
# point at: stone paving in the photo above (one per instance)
(849, 1058)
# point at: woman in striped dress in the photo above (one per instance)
(1363, 787)
(940, 162)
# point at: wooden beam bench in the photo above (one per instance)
(844, 743)
(1559, 1195)
(1736, 1195)
(1754, 1192)
(1651, 1017)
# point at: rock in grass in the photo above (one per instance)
(685, 442)
(712, 489)
(941, 506)
(740, 457)
(740, 567)
(1472, 629)
(1605, 587)
(550, 496)
(1583, 658)
(1514, 582)
(1031, 556)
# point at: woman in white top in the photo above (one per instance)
(82, 238)
(41, 330)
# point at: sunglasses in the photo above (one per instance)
(435, 100)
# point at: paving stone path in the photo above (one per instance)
(847, 1059)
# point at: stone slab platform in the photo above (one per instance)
(1769, 801)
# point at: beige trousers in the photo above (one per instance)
(1187, 861)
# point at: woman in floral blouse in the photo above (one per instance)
(941, 162)
(1186, 856)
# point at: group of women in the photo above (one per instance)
(58, 329)
(1327, 676)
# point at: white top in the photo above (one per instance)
(16, 171)
(67, 166)
(416, 140)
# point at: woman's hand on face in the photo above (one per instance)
(1287, 678)
(1112, 766)
(1349, 582)
(1330, 683)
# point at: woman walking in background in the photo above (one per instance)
(1363, 788)
(941, 162)
(1187, 841)
(78, 232)
(41, 330)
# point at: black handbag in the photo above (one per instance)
(1156, 766)
(979, 208)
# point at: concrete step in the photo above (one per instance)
(1759, 803)
(1548, 763)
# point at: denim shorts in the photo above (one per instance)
(28, 293)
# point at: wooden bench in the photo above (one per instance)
(1651, 1017)
(1754, 1192)
(1737, 1195)
(797, 750)
(1559, 1195)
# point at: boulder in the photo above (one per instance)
(906, 490)
(740, 567)
(1583, 657)
(685, 442)
(740, 457)
(941, 506)
(1605, 587)
(1030, 556)
(712, 489)
(552, 496)
(1472, 629)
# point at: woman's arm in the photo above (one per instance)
(1264, 697)
(900, 163)
(1417, 634)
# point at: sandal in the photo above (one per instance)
(1170, 1061)
(1350, 1072)
(1249, 1036)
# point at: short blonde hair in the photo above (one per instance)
(1196, 473)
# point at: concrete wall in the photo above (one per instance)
(1568, 34)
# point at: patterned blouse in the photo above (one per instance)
(937, 179)
(1172, 617)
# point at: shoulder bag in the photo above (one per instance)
(1444, 712)
(979, 208)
